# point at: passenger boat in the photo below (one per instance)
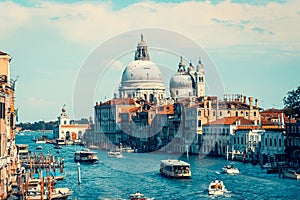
(86, 156)
(114, 154)
(216, 187)
(139, 196)
(292, 174)
(175, 169)
(230, 169)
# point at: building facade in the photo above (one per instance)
(8, 150)
(67, 130)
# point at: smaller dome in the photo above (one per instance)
(181, 81)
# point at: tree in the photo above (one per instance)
(292, 102)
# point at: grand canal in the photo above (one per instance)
(116, 178)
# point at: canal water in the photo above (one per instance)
(117, 178)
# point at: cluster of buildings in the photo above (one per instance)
(144, 118)
(8, 149)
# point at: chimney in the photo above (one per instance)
(245, 100)
(256, 103)
(250, 102)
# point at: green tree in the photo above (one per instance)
(292, 102)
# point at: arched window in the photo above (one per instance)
(151, 97)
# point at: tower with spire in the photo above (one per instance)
(200, 80)
(141, 52)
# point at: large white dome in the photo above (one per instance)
(141, 71)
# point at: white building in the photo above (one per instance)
(272, 142)
(67, 130)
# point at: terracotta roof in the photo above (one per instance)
(232, 121)
(2, 53)
(118, 101)
(251, 127)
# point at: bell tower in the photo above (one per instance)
(200, 80)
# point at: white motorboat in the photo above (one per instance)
(292, 174)
(230, 169)
(216, 187)
(175, 169)
(86, 156)
(57, 193)
(114, 154)
(139, 196)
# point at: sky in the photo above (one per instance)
(253, 46)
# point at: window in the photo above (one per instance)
(279, 142)
(238, 140)
(242, 140)
(220, 113)
(214, 113)
(199, 123)
(234, 140)
(236, 113)
(275, 142)
(266, 142)
(199, 113)
(65, 122)
(254, 114)
(2, 110)
(246, 114)
(176, 92)
(270, 142)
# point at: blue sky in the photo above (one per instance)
(253, 44)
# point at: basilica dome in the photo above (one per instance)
(142, 78)
(141, 71)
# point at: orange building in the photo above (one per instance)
(8, 150)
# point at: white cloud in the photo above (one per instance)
(38, 102)
(95, 22)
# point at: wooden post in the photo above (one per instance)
(42, 188)
(49, 188)
(78, 170)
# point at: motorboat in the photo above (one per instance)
(114, 154)
(139, 196)
(86, 156)
(216, 187)
(57, 147)
(175, 169)
(230, 169)
(295, 174)
(39, 148)
(57, 193)
(127, 150)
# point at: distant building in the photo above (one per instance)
(66, 130)
(293, 142)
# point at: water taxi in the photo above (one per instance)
(86, 156)
(139, 196)
(230, 169)
(292, 174)
(216, 187)
(175, 169)
(114, 154)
